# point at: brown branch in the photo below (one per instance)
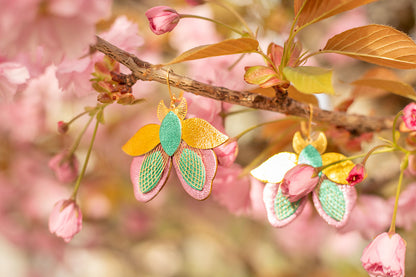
(145, 71)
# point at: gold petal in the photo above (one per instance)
(143, 141)
(198, 133)
(338, 172)
(319, 143)
(274, 169)
(162, 110)
(181, 109)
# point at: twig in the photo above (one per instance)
(141, 70)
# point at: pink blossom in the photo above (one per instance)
(411, 167)
(162, 19)
(385, 256)
(299, 181)
(356, 175)
(231, 190)
(195, 2)
(227, 152)
(59, 27)
(65, 167)
(11, 76)
(370, 216)
(65, 220)
(409, 116)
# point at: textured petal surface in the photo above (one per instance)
(149, 173)
(339, 172)
(334, 202)
(198, 133)
(274, 169)
(196, 170)
(280, 211)
(143, 141)
(170, 133)
(310, 156)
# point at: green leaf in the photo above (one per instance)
(310, 79)
(226, 47)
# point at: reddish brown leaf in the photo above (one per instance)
(374, 73)
(378, 44)
(316, 10)
(395, 87)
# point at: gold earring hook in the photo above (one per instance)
(310, 121)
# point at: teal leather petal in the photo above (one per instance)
(170, 133)
(192, 169)
(310, 156)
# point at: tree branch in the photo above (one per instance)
(141, 70)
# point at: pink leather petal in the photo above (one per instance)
(350, 197)
(135, 169)
(269, 197)
(210, 164)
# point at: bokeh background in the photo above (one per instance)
(174, 235)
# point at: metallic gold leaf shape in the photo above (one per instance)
(319, 143)
(181, 109)
(162, 110)
(338, 172)
(274, 169)
(143, 141)
(199, 133)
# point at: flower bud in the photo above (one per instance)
(356, 175)
(299, 181)
(65, 167)
(65, 220)
(62, 127)
(385, 256)
(162, 19)
(409, 116)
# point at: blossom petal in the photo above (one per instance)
(149, 173)
(280, 211)
(334, 202)
(196, 170)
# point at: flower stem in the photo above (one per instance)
(236, 14)
(214, 21)
(78, 140)
(87, 157)
(265, 123)
(77, 116)
(403, 166)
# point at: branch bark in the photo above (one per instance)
(145, 71)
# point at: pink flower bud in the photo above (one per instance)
(356, 175)
(162, 19)
(65, 167)
(65, 220)
(409, 116)
(62, 127)
(299, 181)
(385, 256)
(227, 153)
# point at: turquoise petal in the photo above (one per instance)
(310, 156)
(192, 169)
(151, 171)
(283, 207)
(170, 133)
(332, 200)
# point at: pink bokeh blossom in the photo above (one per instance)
(406, 209)
(60, 27)
(227, 152)
(232, 190)
(65, 166)
(65, 220)
(11, 76)
(385, 256)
